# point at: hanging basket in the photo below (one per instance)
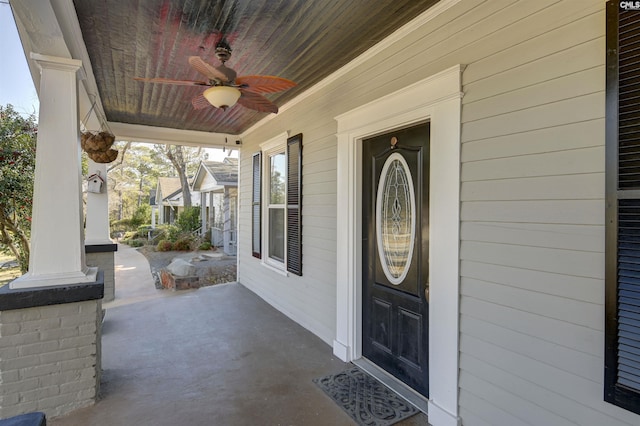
(103, 157)
(98, 146)
(96, 142)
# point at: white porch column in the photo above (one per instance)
(212, 214)
(97, 228)
(203, 212)
(57, 237)
(226, 230)
(160, 212)
(153, 216)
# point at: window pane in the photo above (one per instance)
(395, 218)
(278, 169)
(276, 234)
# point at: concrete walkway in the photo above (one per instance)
(214, 356)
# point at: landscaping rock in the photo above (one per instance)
(181, 268)
(211, 268)
(171, 282)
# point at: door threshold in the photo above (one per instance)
(404, 391)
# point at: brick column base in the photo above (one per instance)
(102, 256)
(50, 348)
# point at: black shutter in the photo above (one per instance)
(256, 207)
(294, 204)
(622, 266)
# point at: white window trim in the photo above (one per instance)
(276, 145)
(436, 99)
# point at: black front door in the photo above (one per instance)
(395, 234)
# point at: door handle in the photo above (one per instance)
(426, 293)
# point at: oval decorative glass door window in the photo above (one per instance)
(395, 218)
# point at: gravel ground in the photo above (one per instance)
(212, 266)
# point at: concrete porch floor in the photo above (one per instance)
(218, 355)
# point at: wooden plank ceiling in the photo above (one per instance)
(301, 40)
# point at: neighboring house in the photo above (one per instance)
(170, 201)
(456, 208)
(217, 183)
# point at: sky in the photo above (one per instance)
(16, 86)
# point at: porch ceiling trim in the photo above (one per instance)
(166, 135)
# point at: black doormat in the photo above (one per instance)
(365, 399)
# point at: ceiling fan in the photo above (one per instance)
(225, 88)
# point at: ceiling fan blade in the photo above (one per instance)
(256, 102)
(264, 83)
(169, 81)
(209, 71)
(200, 102)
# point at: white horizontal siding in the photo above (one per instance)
(583, 186)
(532, 212)
(581, 212)
(567, 359)
(532, 232)
(557, 331)
(567, 237)
(572, 85)
(568, 310)
(487, 374)
(520, 384)
(208, 183)
(557, 63)
(582, 108)
(573, 161)
(309, 299)
(528, 413)
(530, 38)
(561, 285)
(584, 134)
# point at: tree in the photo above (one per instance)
(183, 159)
(133, 177)
(17, 166)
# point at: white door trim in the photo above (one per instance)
(436, 99)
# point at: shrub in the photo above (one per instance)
(141, 215)
(143, 229)
(172, 232)
(135, 243)
(205, 246)
(159, 234)
(123, 225)
(183, 244)
(164, 245)
(130, 235)
(189, 219)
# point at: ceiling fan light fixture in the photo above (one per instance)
(222, 96)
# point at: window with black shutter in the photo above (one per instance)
(256, 212)
(622, 266)
(294, 198)
(277, 209)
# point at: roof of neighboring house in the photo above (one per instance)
(223, 173)
(168, 186)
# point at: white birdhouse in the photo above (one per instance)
(94, 183)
